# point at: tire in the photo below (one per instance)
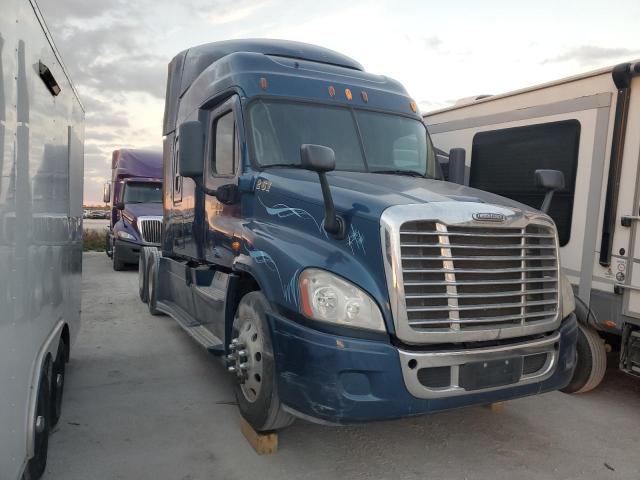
(118, 265)
(37, 464)
(591, 361)
(152, 283)
(57, 383)
(108, 249)
(258, 398)
(143, 286)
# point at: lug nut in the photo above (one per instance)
(231, 369)
(242, 353)
(244, 366)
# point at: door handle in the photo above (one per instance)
(627, 220)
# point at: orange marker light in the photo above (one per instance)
(306, 301)
(347, 93)
(414, 107)
(365, 96)
(263, 83)
(609, 323)
(235, 246)
(332, 91)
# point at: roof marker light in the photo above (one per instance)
(332, 91)
(365, 96)
(263, 83)
(414, 106)
(347, 93)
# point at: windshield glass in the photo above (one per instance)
(363, 141)
(143, 193)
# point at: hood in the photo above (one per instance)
(136, 210)
(369, 194)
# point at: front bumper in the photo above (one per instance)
(129, 252)
(342, 380)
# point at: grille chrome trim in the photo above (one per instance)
(532, 270)
(150, 229)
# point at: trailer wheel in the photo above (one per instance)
(591, 361)
(253, 363)
(57, 383)
(36, 465)
(152, 282)
(118, 265)
(143, 286)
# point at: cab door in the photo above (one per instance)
(222, 167)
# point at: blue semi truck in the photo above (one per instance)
(310, 242)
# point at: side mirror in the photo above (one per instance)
(321, 159)
(550, 181)
(191, 149)
(119, 205)
(457, 165)
(317, 158)
(106, 192)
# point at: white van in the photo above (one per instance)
(41, 168)
(588, 127)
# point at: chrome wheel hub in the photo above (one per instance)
(245, 359)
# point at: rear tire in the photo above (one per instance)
(152, 282)
(118, 265)
(143, 284)
(57, 382)
(591, 361)
(257, 397)
(37, 464)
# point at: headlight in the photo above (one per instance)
(568, 301)
(329, 298)
(124, 235)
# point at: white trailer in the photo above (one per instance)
(41, 168)
(587, 126)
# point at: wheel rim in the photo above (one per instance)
(249, 359)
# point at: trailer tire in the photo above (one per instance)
(143, 284)
(57, 383)
(263, 411)
(36, 464)
(591, 361)
(152, 282)
(118, 265)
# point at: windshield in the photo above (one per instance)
(362, 140)
(143, 193)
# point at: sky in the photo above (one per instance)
(117, 51)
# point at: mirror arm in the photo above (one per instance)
(546, 203)
(333, 224)
(204, 188)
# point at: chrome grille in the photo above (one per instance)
(150, 229)
(477, 277)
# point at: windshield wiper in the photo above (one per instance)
(409, 173)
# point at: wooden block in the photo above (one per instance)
(496, 407)
(262, 443)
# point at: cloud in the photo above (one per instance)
(234, 13)
(590, 54)
(432, 42)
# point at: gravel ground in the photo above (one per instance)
(143, 401)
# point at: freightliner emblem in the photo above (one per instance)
(489, 217)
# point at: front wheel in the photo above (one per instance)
(118, 264)
(143, 286)
(252, 361)
(591, 361)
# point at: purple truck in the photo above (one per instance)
(135, 194)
